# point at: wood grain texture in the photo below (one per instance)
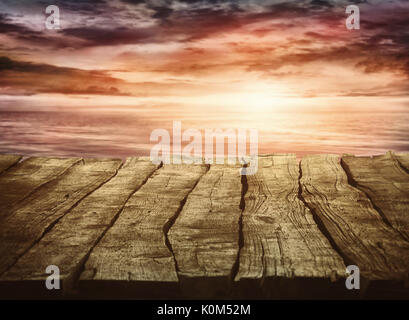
(403, 159)
(187, 231)
(8, 160)
(36, 214)
(281, 238)
(387, 185)
(134, 253)
(205, 237)
(28, 175)
(352, 222)
(68, 243)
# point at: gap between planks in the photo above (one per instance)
(172, 221)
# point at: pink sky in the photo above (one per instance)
(210, 58)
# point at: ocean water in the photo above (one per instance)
(361, 128)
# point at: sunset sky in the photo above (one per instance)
(247, 54)
(196, 48)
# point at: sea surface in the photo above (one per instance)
(360, 127)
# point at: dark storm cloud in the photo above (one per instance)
(199, 20)
(23, 33)
(184, 26)
(162, 12)
(20, 31)
(383, 43)
(162, 9)
(103, 37)
(8, 27)
(321, 3)
(82, 6)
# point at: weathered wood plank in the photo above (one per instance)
(205, 237)
(403, 159)
(386, 184)
(134, 253)
(282, 242)
(36, 214)
(354, 225)
(25, 177)
(71, 239)
(8, 160)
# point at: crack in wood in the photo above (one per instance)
(402, 159)
(169, 224)
(52, 224)
(388, 220)
(319, 223)
(81, 267)
(351, 220)
(356, 185)
(15, 160)
(15, 205)
(242, 206)
(296, 229)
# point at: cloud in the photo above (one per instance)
(27, 78)
(102, 37)
(199, 38)
(8, 27)
(32, 78)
